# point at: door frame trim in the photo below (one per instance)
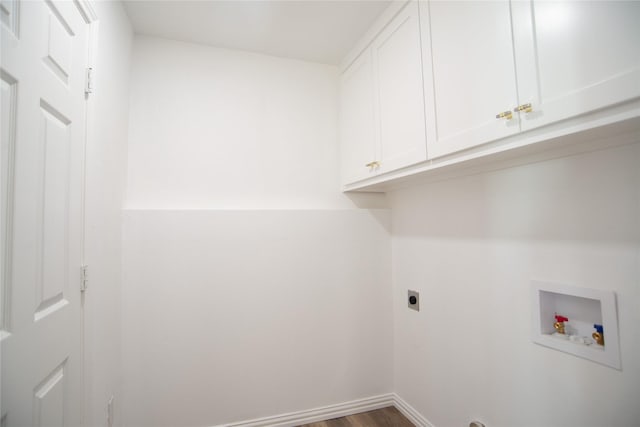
(90, 16)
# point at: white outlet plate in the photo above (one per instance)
(583, 307)
(415, 306)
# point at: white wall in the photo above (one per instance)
(253, 286)
(471, 246)
(217, 128)
(106, 158)
(233, 315)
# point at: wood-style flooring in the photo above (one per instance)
(385, 417)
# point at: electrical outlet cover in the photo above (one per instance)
(415, 306)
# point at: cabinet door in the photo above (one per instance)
(357, 126)
(399, 92)
(471, 75)
(581, 56)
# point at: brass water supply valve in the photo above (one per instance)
(559, 325)
(598, 335)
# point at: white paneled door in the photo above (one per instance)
(44, 57)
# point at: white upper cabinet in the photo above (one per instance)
(581, 56)
(469, 73)
(382, 124)
(493, 69)
(399, 92)
(434, 78)
(357, 124)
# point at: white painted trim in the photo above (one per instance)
(376, 28)
(293, 419)
(408, 411)
(606, 128)
(87, 10)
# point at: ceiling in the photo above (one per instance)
(319, 31)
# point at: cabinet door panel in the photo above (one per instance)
(399, 92)
(357, 126)
(581, 56)
(471, 77)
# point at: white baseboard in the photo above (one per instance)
(294, 419)
(408, 411)
(320, 414)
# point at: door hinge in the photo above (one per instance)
(89, 83)
(84, 277)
